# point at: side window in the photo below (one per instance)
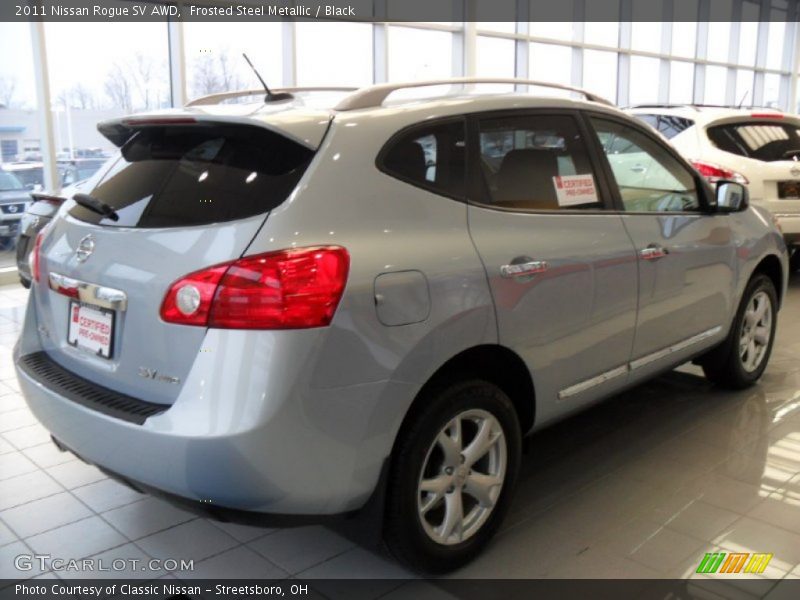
(649, 178)
(431, 156)
(536, 162)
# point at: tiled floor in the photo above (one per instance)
(638, 487)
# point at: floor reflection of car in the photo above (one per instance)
(13, 200)
(40, 212)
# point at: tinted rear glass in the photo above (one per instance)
(429, 156)
(198, 174)
(756, 139)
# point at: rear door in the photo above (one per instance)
(561, 268)
(686, 253)
(185, 196)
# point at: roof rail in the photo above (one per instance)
(373, 96)
(222, 96)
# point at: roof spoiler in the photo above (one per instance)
(119, 131)
(222, 96)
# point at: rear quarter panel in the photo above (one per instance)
(387, 226)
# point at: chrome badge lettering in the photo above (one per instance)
(156, 376)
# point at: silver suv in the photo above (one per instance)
(282, 309)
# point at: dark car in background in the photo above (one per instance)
(14, 198)
(40, 212)
(43, 207)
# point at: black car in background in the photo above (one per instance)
(14, 199)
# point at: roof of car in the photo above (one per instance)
(304, 113)
(705, 114)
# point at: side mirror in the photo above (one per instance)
(731, 196)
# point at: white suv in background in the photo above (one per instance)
(757, 147)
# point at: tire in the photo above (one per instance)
(732, 365)
(430, 542)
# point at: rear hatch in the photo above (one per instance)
(187, 194)
(771, 145)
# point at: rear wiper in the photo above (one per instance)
(96, 205)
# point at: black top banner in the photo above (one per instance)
(441, 11)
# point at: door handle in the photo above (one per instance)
(653, 252)
(638, 169)
(527, 268)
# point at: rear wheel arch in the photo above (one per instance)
(493, 363)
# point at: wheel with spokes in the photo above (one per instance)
(452, 476)
(742, 358)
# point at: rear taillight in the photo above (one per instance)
(714, 173)
(288, 289)
(35, 258)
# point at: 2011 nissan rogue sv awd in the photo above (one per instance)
(281, 309)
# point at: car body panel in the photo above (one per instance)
(573, 322)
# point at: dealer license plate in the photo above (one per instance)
(91, 328)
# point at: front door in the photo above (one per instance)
(561, 268)
(685, 252)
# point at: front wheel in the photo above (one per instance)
(452, 476)
(744, 355)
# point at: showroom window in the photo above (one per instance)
(214, 61)
(419, 54)
(644, 80)
(323, 48)
(130, 74)
(550, 63)
(600, 73)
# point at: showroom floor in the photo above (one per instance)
(638, 487)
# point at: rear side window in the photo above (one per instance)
(667, 125)
(755, 139)
(536, 162)
(195, 175)
(430, 156)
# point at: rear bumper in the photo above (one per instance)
(790, 225)
(232, 515)
(232, 440)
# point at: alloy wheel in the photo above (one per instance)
(462, 477)
(756, 331)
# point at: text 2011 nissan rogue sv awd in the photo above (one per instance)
(280, 309)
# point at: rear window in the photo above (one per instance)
(755, 139)
(195, 175)
(667, 125)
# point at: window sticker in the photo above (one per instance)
(573, 190)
